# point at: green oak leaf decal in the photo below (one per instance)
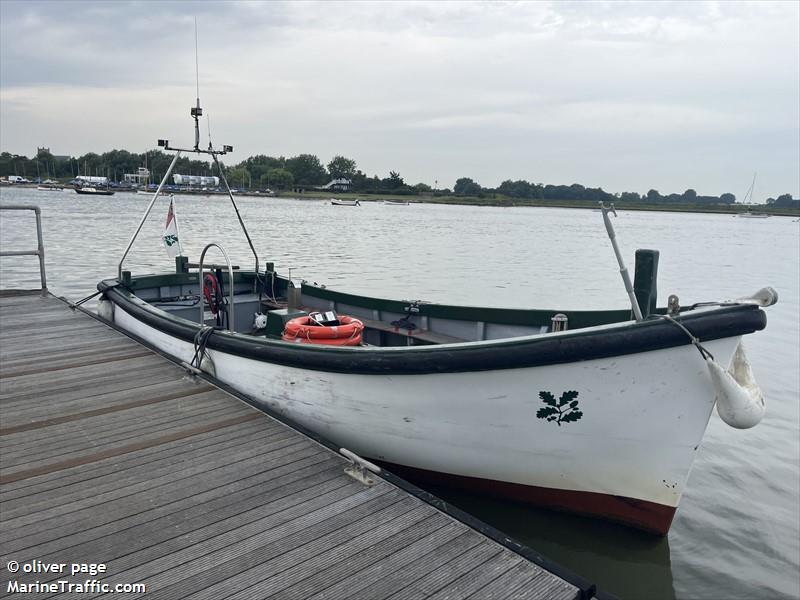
(563, 410)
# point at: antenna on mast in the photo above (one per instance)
(196, 111)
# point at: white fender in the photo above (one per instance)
(105, 310)
(740, 402)
(207, 366)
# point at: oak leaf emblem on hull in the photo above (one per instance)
(563, 410)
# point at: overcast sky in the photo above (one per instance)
(626, 96)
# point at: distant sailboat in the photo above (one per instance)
(748, 199)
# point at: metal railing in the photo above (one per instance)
(40, 250)
(231, 316)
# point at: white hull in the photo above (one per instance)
(643, 416)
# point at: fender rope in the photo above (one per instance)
(703, 351)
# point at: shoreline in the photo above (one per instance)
(733, 209)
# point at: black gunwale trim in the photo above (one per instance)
(530, 351)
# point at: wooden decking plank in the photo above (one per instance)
(547, 585)
(107, 467)
(115, 451)
(136, 372)
(88, 399)
(84, 345)
(480, 577)
(64, 450)
(361, 571)
(52, 343)
(285, 552)
(234, 553)
(194, 473)
(447, 573)
(189, 449)
(148, 472)
(393, 580)
(115, 425)
(182, 558)
(246, 504)
(341, 562)
(64, 355)
(86, 516)
(292, 534)
(31, 425)
(191, 538)
(112, 423)
(514, 580)
(43, 330)
(213, 498)
(71, 363)
(20, 384)
(300, 563)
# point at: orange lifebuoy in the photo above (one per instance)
(306, 331)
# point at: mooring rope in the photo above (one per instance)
(703, 351)
(200, 342)
(74, 305)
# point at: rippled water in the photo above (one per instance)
(736, 533)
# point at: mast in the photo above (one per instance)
(196, 112)
(751, 189)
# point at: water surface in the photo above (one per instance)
(736, 533)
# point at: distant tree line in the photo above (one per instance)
(307, 171)
(784, 201)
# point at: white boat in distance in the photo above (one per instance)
(751, 215)
(336, 202)
(599, 412)
(395, 203)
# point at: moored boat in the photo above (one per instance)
(336, 202)
(751, 215)
(596, 412)
(93, 191)
(395, 203)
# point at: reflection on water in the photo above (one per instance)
(736, 533)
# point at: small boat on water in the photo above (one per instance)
(751, 215)
(49, 188)
(93, 191)
(598, 412)
(395, 203)
(336, 202)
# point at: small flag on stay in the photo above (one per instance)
(171, 241)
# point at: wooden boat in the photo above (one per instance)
(595, 412)
(93, 191)
(336, 202)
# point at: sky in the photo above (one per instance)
(626, 96)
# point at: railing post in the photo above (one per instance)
(37, 211)
(39, 239)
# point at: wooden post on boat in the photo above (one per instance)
(645, 276)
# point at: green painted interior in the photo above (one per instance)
(504, 316)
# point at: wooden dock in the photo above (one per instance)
(112, 454)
